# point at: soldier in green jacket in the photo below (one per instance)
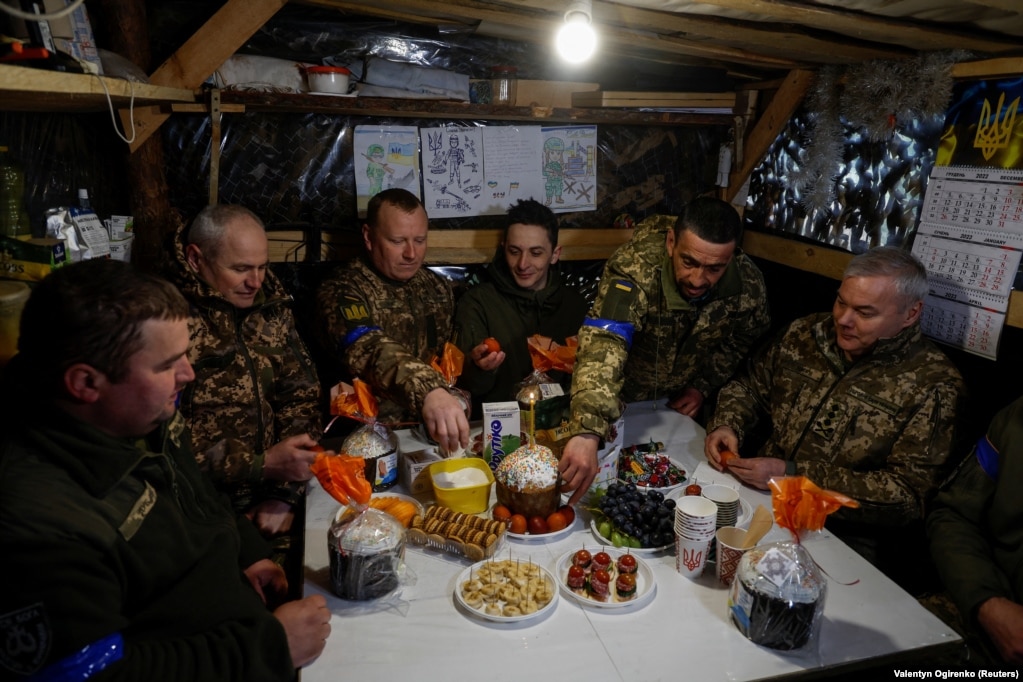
(254, 409)
(523, 295)
(678, 309)
(120, 559)
(857, 401)
(977, 539)
(386, 317)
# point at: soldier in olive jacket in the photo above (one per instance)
(678, 309)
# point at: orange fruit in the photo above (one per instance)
(501, 513)
(726, 456)
(492, 345)
(517, 524)
(556, 521)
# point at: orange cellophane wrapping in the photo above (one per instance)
(548, 355)
(800, 505)
(355, 401)
(449, 364)
(344, 477)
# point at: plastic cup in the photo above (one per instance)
(691, 556)
(728, 552)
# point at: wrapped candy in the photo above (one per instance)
(777, 597)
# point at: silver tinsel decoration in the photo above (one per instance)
(871, 99)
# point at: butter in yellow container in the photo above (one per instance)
(462, 484)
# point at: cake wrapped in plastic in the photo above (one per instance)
(528, 481)
(366, 555)
(378, 446)
(777, 597)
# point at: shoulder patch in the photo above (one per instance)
(26, 639)
(618, 300)
(355, 311)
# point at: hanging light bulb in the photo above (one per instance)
(577, 41)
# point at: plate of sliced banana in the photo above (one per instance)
(507, 590)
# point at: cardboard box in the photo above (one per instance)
(30, 260)
(502, 427)
(549, 93)
(413, 471)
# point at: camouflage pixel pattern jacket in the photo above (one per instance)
(675, 344)
(254, 386)
(387, 332)
(879, 429)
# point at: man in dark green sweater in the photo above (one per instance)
(523, 295)
(121, 561)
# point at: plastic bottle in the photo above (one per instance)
(13, 217)
(83, 199)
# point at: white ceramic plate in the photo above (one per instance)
(414, 501)
(473, 571)
(546, 537)
(667, 489)
(333, 94)
(646, 584)
(606, 542)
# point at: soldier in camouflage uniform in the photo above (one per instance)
(254, 408)
(387, 317)
(858, 401)
(678, 308)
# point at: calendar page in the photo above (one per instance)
(970, 240)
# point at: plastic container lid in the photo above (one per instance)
(327, 69)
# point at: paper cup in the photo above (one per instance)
(728, 540)
(695, 518)
(690, 556)
(727, 501)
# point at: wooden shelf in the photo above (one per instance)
(26, 89)
(422, 108)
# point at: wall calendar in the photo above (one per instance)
(970, 240)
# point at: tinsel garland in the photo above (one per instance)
(873, 98)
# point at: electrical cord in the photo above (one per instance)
(29, 16)
(131, 109)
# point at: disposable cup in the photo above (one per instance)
(694, 531)
(690, 556)
(729, 552)
(727, 501)
(695, 517)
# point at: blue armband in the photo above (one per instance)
(623, 329)
(86, 662)
(356, 334)
(987, 457)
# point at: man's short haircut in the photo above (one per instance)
(907, 272)
(207, 230)
(401, 199)
(532, 212)
(92, 312)
(710, 219)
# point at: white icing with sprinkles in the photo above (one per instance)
(528, 468)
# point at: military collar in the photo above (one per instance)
(890, 350)
(730, 284)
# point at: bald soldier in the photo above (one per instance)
(254, 407)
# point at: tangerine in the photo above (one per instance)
(517, 524)
(556, 521)
(492, 344)
(501, 513)
(726, 456)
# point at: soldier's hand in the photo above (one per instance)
(756, 471)
(267, 579)
(486, 359)
(578, 465)
(720, 439)
(290, 459)
(307, 624)
(1002, 619)
(688, 402)
(445, 421)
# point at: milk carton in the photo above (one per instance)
(501, 431)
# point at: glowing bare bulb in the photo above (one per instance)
(576, 41)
